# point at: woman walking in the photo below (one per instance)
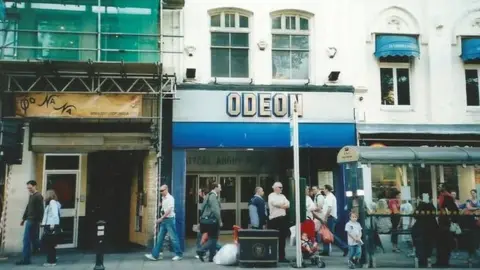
(51, 227)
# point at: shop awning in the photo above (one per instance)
(396, 45)
(410, 155)
(470, 49)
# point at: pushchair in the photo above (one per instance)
(308, 227)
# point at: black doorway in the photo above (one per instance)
(110, 175)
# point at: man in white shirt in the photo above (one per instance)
(310, 205)
(278, 205)
(329, 212)
(167, 225)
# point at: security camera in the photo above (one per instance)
(190, 50)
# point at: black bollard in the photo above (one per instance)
(100, 239)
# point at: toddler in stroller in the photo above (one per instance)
(310, 250)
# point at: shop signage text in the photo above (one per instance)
(78, 105)
(263, 104)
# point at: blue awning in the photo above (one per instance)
(470, 49)
(396, 45)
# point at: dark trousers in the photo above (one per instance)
(445, 242)
(213, 230)
(49, 243)
(281, 225)
(395, 222)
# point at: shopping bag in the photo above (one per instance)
(227, 255)
(204, 239)
(326, 235)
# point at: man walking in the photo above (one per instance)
(330, 217)
(167, 225)
(257, 210)
(31, 219)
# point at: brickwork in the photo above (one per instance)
(151, 189)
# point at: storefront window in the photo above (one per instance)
(385, 179)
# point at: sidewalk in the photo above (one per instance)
(76, 260)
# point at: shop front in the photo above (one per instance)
(239, 137)
(97, 149)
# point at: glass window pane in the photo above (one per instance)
(65, 186)
(303, 24)
(215, 21)
(280, 65)
(57, 45)
(220, 39)
(386, 86)
(230, 20)
(239, 63)
(239, 40)
(67, 225)
(471, 81)
(280, 41)
(290, 23)
(248, 185)
(300, 42)
(299, 65)
(220, 62)
(229, 189)
(8, 39)
(277, 22)
(62, 162)
(229, 219)
(403, 86)
(243, 22)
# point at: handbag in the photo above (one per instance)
(210, 219)
(326, 234)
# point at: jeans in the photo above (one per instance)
(354, 252)
(331, 223)
(199, 239)
(213, 231)
(30, 239)
(167, 226)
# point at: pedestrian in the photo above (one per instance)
(445, 237)
(202, 193)
(257, 210)
(51, 227)
(210, 222)
(354, 234)
(167, 225)
(32, 217)
(278, 205)
(329, 212)
(318, 200)
(310, 205)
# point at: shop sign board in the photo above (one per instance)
(263, 104)
(78, 105)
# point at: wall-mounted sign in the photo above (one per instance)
(78, 105)
(263, 104)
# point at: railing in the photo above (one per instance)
(466, 241)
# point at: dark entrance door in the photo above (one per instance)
(110, 175)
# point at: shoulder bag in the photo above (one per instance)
(210, 219)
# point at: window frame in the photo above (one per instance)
(396, 66)
(15, 39)
(471, 67)
(289, 32)
(230, 30)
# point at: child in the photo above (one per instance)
(354, 231)
(308, 246)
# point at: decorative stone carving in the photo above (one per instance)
(394, 23)
(476, 23)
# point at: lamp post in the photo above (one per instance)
(296, 175)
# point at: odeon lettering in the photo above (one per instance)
(263, 104)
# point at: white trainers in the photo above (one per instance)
(150, 257)
(176, 258)
(49, 264)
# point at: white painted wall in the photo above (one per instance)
(437, 81)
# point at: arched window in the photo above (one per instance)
(290, 47)
(229, 44)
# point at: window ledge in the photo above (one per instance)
(231, 80)
(290, 82)
(473, 109)
(396, 108)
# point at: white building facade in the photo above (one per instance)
(412, 84)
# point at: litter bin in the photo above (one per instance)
(258, 248)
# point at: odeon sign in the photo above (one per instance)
(263, 104)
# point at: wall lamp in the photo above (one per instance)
(333, 76)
